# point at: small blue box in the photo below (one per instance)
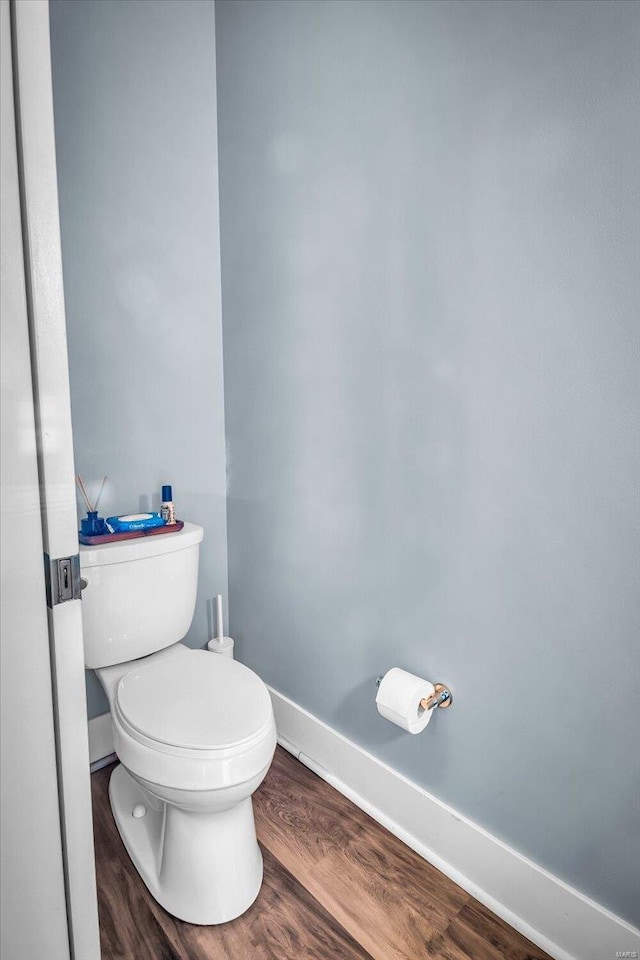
(135, 521)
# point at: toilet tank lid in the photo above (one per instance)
(151, 546)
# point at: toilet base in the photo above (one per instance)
(204, 868)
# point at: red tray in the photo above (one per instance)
(129, 534)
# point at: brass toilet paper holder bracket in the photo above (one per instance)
(441, 696)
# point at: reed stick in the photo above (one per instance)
(83, 491)
(99, 494)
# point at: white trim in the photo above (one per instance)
(100, 738)
(553, 915)
(52, 407)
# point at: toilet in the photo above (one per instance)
(194, 731)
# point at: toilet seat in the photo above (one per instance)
(198, 702)
(199, 721)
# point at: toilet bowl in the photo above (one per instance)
(194, 731)
(195, 735)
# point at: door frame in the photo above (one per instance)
(33, 95)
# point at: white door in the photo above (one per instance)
(47, 334)
(33, 911)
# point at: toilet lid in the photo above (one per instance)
(202, 701)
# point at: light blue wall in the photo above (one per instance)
(429, 260)
(134, 91)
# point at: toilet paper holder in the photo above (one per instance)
(441, 696)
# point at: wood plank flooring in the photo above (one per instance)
(337, 886)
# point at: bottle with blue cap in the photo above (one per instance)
(167, 510)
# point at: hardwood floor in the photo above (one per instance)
(337, 886)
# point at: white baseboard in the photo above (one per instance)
(100, 738)
(553, 915)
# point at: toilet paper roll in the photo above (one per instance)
(398, 699)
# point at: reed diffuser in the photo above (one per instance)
(92, 525)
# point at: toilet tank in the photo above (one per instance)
(140, 595)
